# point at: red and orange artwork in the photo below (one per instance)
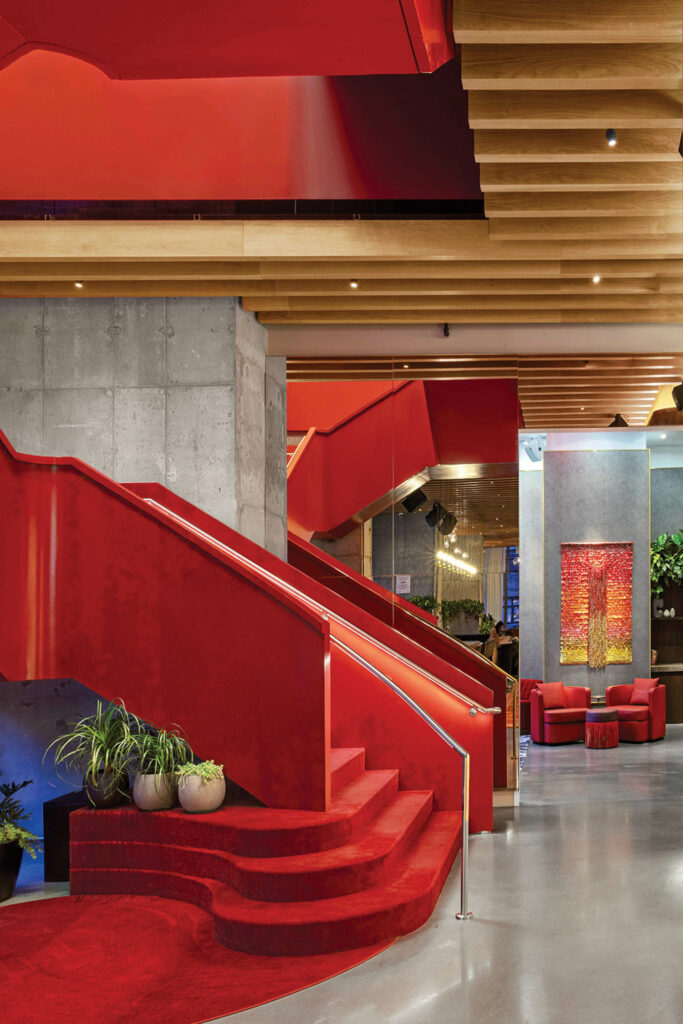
(595, 627)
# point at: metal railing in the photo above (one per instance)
(464, 913)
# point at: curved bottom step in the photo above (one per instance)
(402, 903)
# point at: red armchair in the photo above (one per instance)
(525, 688)
(560, 724)
(638, 723)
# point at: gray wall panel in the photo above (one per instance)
(597, 497)
(667, 501)
(531, 575)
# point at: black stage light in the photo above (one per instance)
(435, 515)
(611, 137)
(413, 501)
(618, 421)
(677, 393)
(447, 524)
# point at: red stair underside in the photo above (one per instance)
(283, 882)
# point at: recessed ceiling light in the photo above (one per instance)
(353, 284)
(405, 366)
(583, 408)
(78, 284)
(596, 279)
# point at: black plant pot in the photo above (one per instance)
(109, 790)
(10, 862)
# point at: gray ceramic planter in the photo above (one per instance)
(154, 792)
(197, 796)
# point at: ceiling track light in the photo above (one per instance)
(353, 284)
(611, 136)
(596, 279)
(78, 284)
(618, 421)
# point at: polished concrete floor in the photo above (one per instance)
(578, 904)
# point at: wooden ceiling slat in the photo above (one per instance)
(582, 227)
(571, 66)
(626, 108)
(641, 176)
(475, 316)
(580, 204)
(566, 21)
(556, 145)
(361, 301)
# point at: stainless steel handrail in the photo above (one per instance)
(447, 738)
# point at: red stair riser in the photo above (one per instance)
(346, 770)
(313, 876)
(398, 906)
(246, 831)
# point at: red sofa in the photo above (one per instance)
(525, 688)
(561, 724)
(638, 723)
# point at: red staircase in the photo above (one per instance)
(283, 882)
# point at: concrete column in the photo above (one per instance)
(177, 391)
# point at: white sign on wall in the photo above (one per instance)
(403, 584)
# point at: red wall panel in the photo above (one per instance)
(71, 133)
(97, 587)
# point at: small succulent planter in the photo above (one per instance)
(155, 792)
(201, 787)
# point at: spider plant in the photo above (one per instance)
(100, 746)
(159, 752)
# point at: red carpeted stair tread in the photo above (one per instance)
(249, 831)
(320, 875)
(346, 764)
(402, 902)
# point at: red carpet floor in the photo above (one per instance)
(126, 959)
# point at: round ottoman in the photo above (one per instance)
(602, 728)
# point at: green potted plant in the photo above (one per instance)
(99, 746)
(201, 787)
(666, 562)
(427, 602)
(14, 839)
(466, 610)
(155, 756)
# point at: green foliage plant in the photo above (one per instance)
(11, 813)
(466, 606)
(427, 602)
(487, 623)
(208, 771)
(666, 562)
(98, 743)
(158, 752)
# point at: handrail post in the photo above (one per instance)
(465, 914)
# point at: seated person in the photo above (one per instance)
(499, 634)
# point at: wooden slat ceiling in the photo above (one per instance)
(483, 506)
(545, 82)
(556, 392)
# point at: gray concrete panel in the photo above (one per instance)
(80, 422)
(140, 435)
(21, 343)
(531, 575)
(200, 448)
(666, 496)
(597, 497)
(21, 418)
(139, 331)
(201, 341)
(79, 343)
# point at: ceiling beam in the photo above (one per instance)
(583, 227)
(578, 145)
(597, 300)
(576, 109)
(641, 176)
(582, 204)
(474, 316)
(572, 66)
(567, 21)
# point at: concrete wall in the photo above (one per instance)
(593, 497)
(666, 496)
(531, 575)
(177, 391)
(403, 545)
